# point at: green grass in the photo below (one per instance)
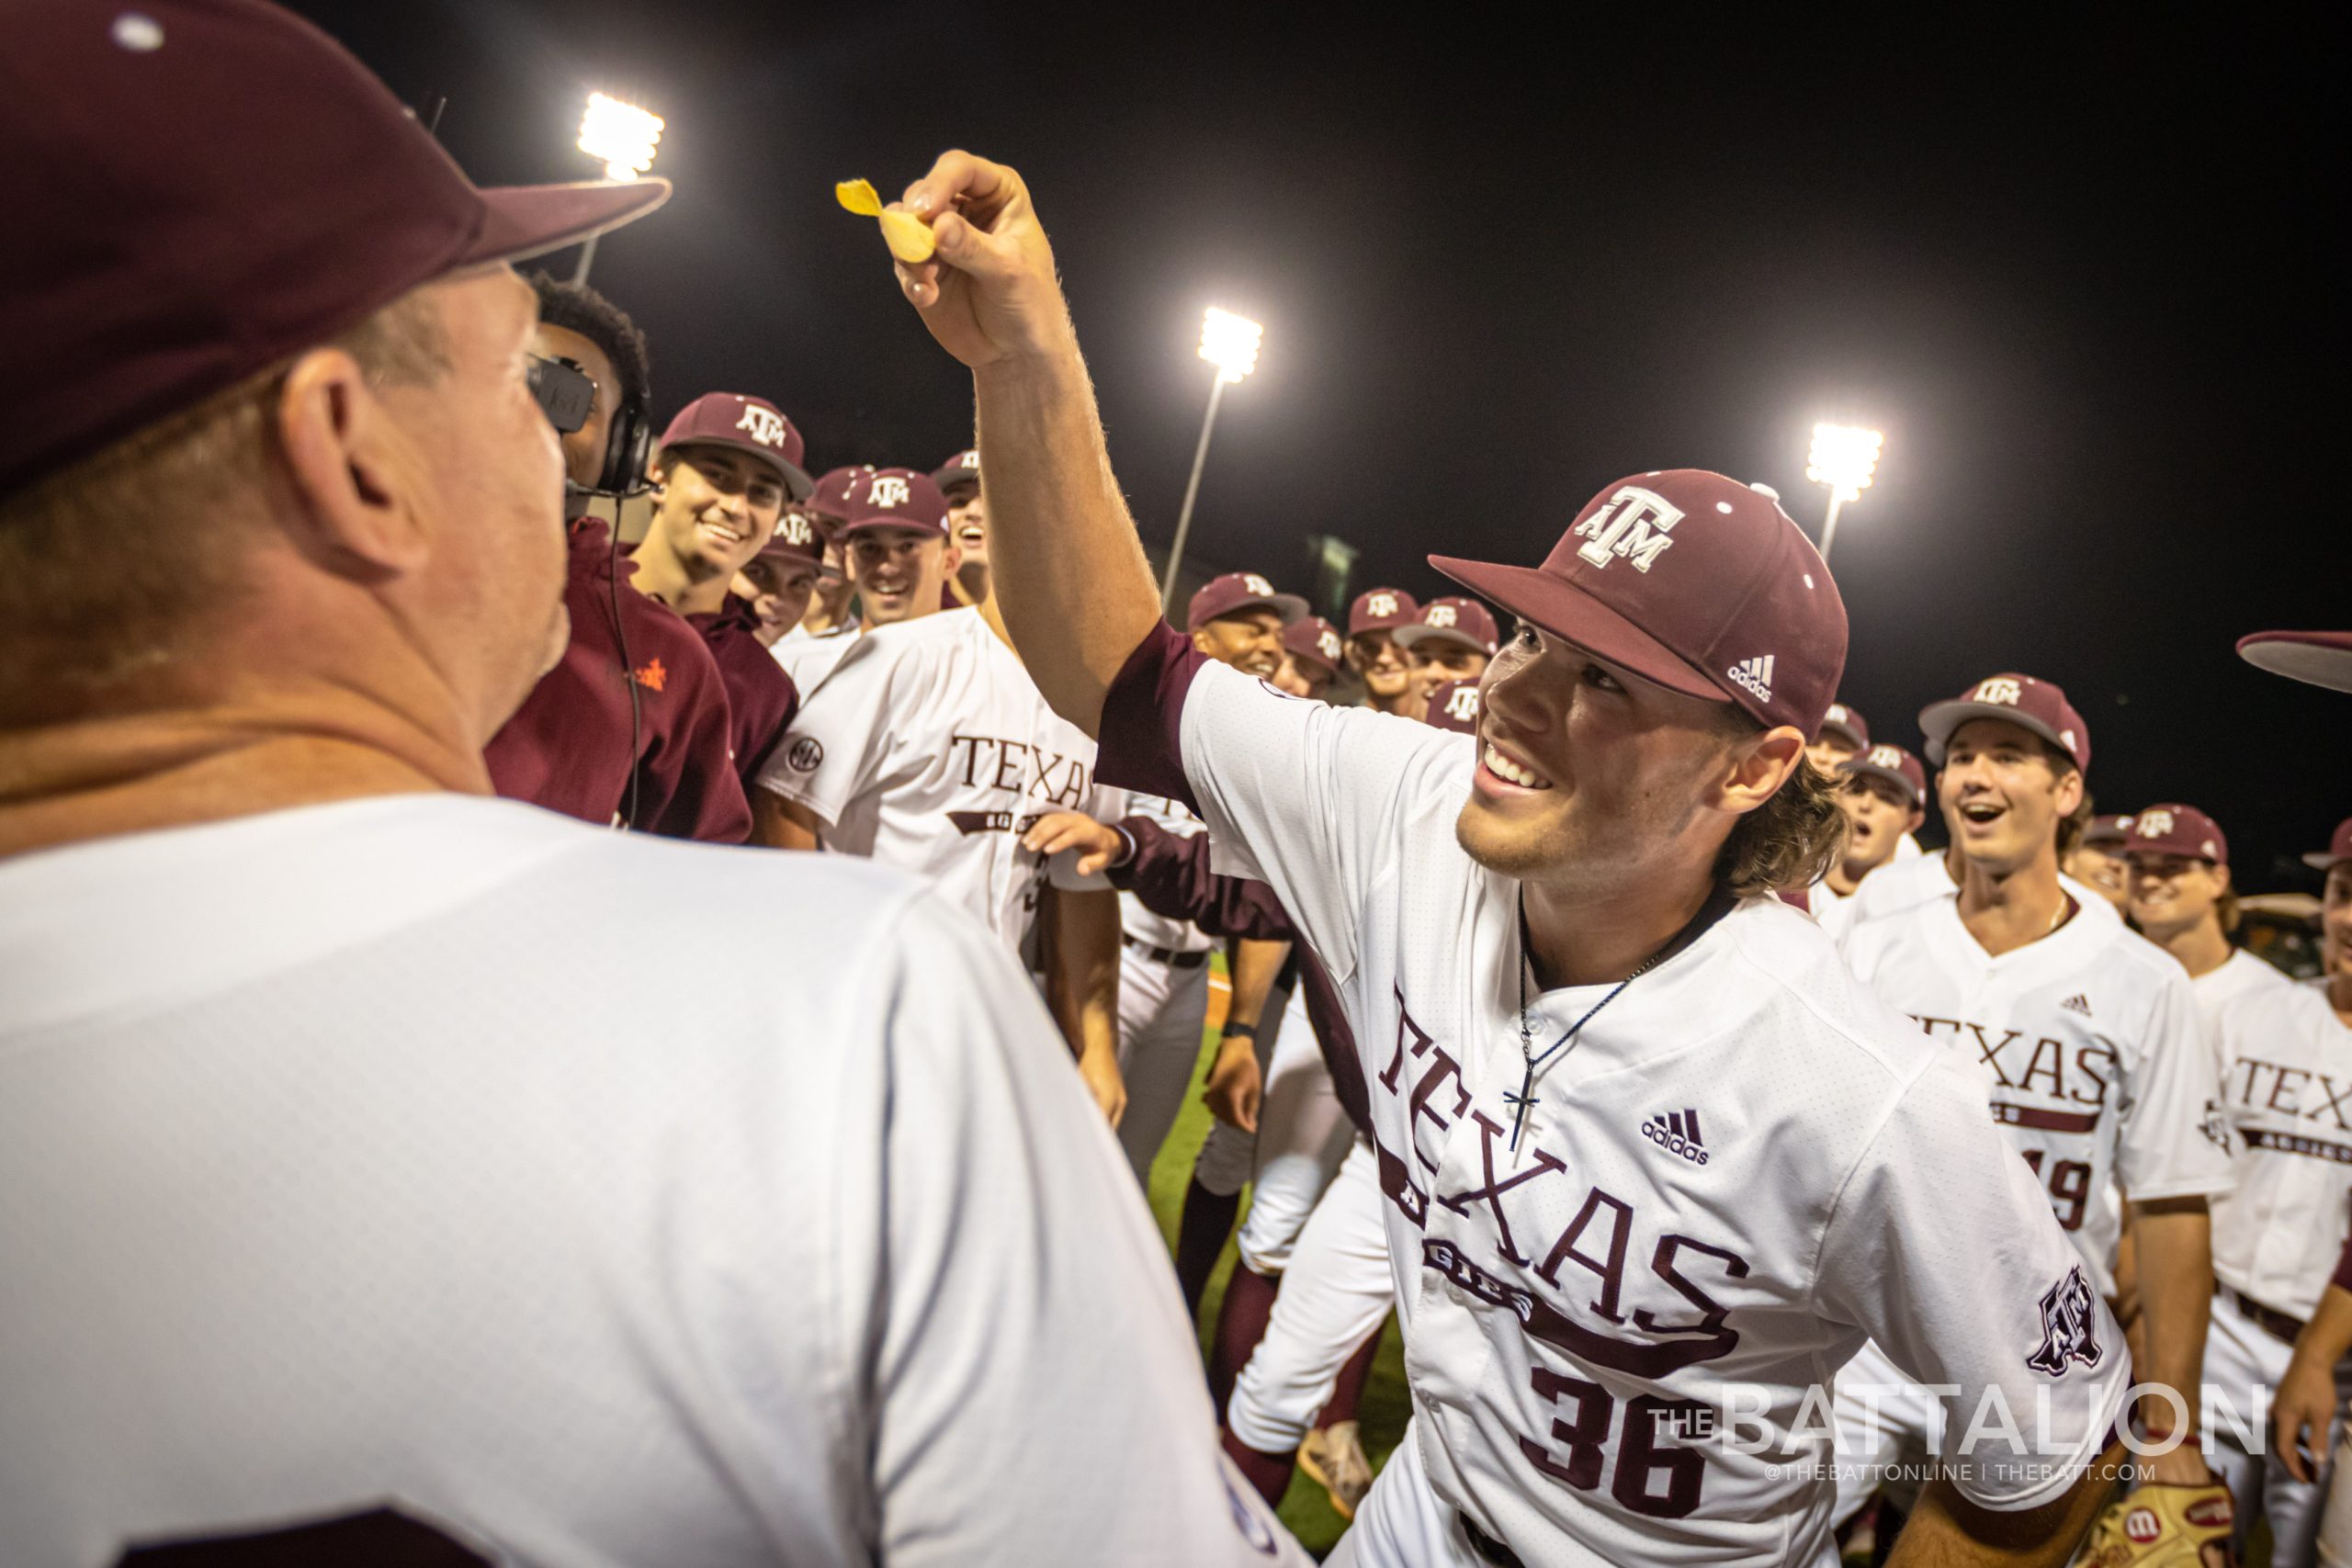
(1305, 1508)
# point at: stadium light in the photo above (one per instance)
(1845, 458)
(623, 138)
(1230, 342)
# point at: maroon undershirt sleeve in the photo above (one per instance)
(1169, 872)
(1143, 716)
(2343, 1281)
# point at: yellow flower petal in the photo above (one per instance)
(907, 236)
(859, 197)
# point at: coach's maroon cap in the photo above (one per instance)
(1892, 763)
(830, 498)
(1236, 592)
(1849, 722)
(2110, 832)
(2339, 850)
(894, 498)
(1380, 610)
(959, 473)
(199, 189)
(2324, 658)
(2036, 705)
(1315, 640)
(1694, 581)
(1465, 621)
(2176, 829)
(750, 425)
(1454, 706)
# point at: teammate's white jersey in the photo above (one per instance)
(1139, 923)
(929, 748)
(2288, 1093)
(809, 657)
(1745, 1166)
(2239, 974)
(2097, 1068)
(360, 1157)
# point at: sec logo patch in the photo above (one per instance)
(805, 754)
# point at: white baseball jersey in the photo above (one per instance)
(2239, 974)
(929, 748)
(2099, 1070)
(2287, 1091)
(1141, 924)
(1580, 1310)
(809, 659)
(349, 1162)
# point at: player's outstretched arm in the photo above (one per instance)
(1069, 572)
(1946, 1530)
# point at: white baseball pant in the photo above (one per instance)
(2335, 1525)
(1401, 1522)
(2240, 1355)
(1335, 1293)
(1303, 1135)
(1162, 1009)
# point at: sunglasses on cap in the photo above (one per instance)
(566, 393)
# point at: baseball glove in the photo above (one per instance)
(2163, 1527)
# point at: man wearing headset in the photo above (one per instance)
(630, 728)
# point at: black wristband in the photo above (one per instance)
(1241, 1031)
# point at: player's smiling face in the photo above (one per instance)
(899, 571)
(718, 507)
(1586, 765)
(2002, 794)
(2172, 893)
(1435, 661)
(1375, 656)
(1249, 640)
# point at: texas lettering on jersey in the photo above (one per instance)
(2290, 1109)
(988, 761)
(2052, 1091)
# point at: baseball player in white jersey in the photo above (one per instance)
(928, 748)
(354, 1207)
(2097, 859)
(894, 540)
(1546, 937)
(1880, 790)
(2088, 1037)
(1453, 638)
(1375, 617)
(2183, 900)
(2287, 1089)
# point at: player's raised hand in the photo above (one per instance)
(989, 293)
(1097, 843)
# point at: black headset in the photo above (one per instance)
(567, 397)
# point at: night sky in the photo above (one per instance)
(2077, 277)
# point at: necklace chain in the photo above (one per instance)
(1526, 1098)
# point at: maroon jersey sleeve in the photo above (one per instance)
(1143, 713)
(1169, 873)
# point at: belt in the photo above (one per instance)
(2271, 1319)
(1489, 1549)
(1175, 958)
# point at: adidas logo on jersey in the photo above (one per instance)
(1678, 1134)
(2077, 1003)
(1756, 675)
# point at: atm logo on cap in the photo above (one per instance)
(1999, 689)
(1634, 525)
(1442, 616)
(1885, 757)
(2153, 824)
(764, 425)
(793, 529)
(1328, 644)
(889, 490)
(1382, 605)
(1257, 585)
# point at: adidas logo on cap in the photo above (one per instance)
(1756, 675)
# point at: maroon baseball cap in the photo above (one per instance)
(894, 498)
(1454, 619)
(1454, 706)
(1381, 609)
(2339, 850)
(2112, 830)
(799, 534)
(2037, 705)
(1892, 764)
(200, 189)
(829, 500)
(1315, 641)
(1239, 591)
(2176, 829)
(2324, 658)
(748, 424)
(1849, 722)
(1691, 580)
(959, 472)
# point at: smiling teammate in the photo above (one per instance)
(2099, 1072)
(780, 583)
(2097, 860)
(1544, 937)
(958, 479)
(1451, 639)
(1311, 659)
(1373, 651)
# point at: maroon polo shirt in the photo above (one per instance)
(1169, 873)
(568, 747)
(760, 698)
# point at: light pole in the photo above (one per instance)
(1231, 344)
(1844, 458)
(622, 137)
